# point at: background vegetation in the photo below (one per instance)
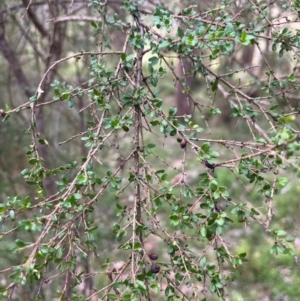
(149, 150)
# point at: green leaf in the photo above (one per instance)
(111, 296)
(33, 99)
(32, 161)
(283, 181)
(163, 44)
(151, 145)
(214, 85)
(20, 243)
(281, 233)
(77, 196)
(155, 287)
(59, 253)
(141, 285)
(172, 111)
(12, 214)
(245, 38)
(65, 95)
(43, 141)
(153, 60)
(70, 103)
(180, 32)
(123, 57)
(289, 239)
(203, 261)
(203, 231)
(45, 249)
(205, 147)
(2, 208)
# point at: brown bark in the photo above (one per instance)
(184, 102)
(12, 60)
(33, 17)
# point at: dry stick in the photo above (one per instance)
(247, 144)
(238, 71)
(270, 203)
(26, 105)
(183, 180)
(26, 9)
(137, 212)
(178, 289)
(76, 18)
(267, 150)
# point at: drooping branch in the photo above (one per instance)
(54, 53)
(137, 219)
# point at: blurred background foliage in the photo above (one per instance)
(34, 34)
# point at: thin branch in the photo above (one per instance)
(39, 90)
(33, 16)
